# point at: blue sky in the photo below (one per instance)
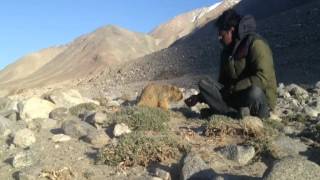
(30, 25)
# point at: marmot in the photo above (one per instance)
(158, 95)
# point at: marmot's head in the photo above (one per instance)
(176, 94)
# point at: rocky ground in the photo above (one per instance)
(62, 134)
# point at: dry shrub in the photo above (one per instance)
(142, 118)
(83, 108)
(138, 148)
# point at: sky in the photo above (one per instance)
(30, 25)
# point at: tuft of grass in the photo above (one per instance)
(83, 108)
(222, 125)
(139, 148)
(143, 118)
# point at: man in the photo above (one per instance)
(247, 78)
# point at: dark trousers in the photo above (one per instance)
(222, 103)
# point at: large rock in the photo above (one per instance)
(6, 104)
(239, 154)
(284, 146)
(294, 168)
(318, 85)
(76, 128)
(42, 124)
(195, 168)
(297, 91)
(24, 138)
(11, 114)
(23, 159)
(6, 126)
(97, 138)
(67, 98)
(60, 114)
(35, 108)
(97, 118)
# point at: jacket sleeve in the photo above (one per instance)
(222, 76)
(261, 66)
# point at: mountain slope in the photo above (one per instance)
(90, 53)
(184, 24)
(29, 64)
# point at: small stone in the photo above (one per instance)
(22, 159)
(165, 175)
(195, 168)
(294, 168)
(240, 154)
(24, 138)
(60, 138)
(288, 130)
(121, 129)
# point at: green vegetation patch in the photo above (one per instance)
(82, 108)
(143, 118)
(141, 148)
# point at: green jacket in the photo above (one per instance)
(250, 63)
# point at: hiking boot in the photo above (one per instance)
(244, 112)
(192, 100)
(206, 113)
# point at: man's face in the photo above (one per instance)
(225, 36)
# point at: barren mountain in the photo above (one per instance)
(184, 24)
(29, 64)
(90, 53)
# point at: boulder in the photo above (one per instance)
(60, 114)
(284, 146)
(121, 129)
(67, 98)
(6, 125)
(76, 128)
(24, 138)
(35, 108)
(293, 168)
(23, 159)
(97, 138)
(195, 168)
(239, 154)
(42, 124)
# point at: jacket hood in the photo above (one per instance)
(247, 26)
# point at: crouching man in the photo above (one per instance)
(247, 77)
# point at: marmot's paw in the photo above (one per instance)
(192, 100)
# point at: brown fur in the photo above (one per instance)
(157, 95)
